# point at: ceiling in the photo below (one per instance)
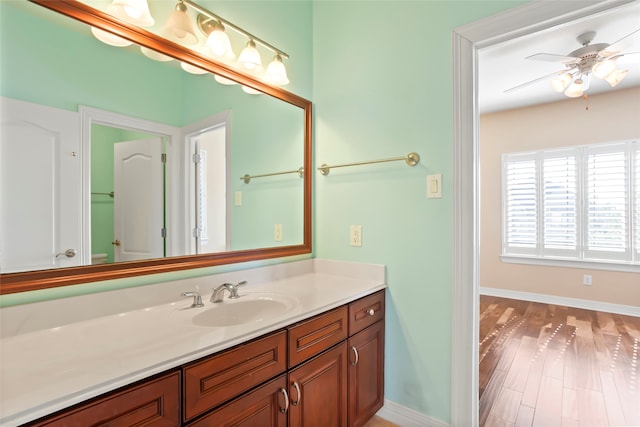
(503, 66)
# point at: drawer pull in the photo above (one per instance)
(297, 387)
(286, 401)
(355, 353)
(371, 312)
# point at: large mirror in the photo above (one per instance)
(155, 170)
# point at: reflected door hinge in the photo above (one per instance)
(197, 158)
(163, 232)
(163, 158)
(197, 232)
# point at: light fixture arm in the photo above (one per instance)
(226, 23)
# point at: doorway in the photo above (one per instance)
(467, 40)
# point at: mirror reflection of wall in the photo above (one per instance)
(75, 69)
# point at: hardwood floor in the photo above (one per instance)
(379, 422)
(552, 366)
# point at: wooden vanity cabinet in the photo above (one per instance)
(327, 371)
(366, 358)
(152, 403)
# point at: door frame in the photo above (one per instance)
(173, 177)
(467, 41)
(223, 118)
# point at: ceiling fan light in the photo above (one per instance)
(603, 68)
(276, 72)
(179, 27)
(575, 89)
(134, 12)
(250, 57)
(108, 38)
(560, 83)
(616, 77)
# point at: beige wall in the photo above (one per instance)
(610, 117)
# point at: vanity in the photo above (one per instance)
(316, 356)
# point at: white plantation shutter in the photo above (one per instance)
(606, 204)
(577, 203)
(521, 206)
(559, 201)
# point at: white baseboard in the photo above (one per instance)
(406, 417)
(606, 307)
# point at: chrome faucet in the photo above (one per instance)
(197, 300)
(218, 291)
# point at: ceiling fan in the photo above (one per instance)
(598, 59)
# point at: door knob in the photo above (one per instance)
(69, 253)
(116, 242)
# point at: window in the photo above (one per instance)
(578, 203)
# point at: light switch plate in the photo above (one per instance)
(434, 186)
(238, 198)
(277, 232)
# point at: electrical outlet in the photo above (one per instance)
(238, 198)
(586, 280)
(277, 232)
(355, 235)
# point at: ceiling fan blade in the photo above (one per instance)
(550, 57)
(530, 82)
(620, 44)
(627, 58)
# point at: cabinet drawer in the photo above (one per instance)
(365, 312)
(219, 378)
(264, 406)
(313, 336)
(153, 403)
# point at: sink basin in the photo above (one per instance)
(249, 308)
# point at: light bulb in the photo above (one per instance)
(575, 89)
(218, 43)
(561, 82)
(224, 80)
(276, 72)
(179, 27)
(250, 90)
(604, 68)
(156, 56)
(616, 77)
(134, 12)
(108, 38)
(192, 69)
(250, 57)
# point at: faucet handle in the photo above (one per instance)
(197, 299)
(233, 289)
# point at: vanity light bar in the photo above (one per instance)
(226, 23)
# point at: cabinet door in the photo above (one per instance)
(366, 374)
(153, 403)
(266, 406)
(318, 390)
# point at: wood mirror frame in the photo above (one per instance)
(43, 279)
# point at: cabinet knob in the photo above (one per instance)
(116, 242)
(371, 312)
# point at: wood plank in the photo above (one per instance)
(570, 416)
(591, 408)
(549, 404)
(506, 406)
(525, 416)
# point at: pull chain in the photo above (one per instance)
(586, 101)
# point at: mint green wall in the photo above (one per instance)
(383, 88)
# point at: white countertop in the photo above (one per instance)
(45, 369)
